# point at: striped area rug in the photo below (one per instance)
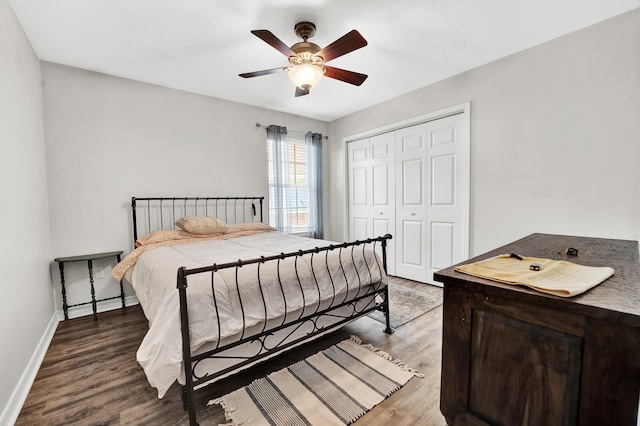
(334, 387)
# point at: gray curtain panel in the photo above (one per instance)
(314, 175)
(278, 156)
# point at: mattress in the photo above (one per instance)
(240, 304)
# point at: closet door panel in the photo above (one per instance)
(412, 243)
(441, 250)
(383, 205)
(443, 180)
(447, 180)
(411, 199)
(360, 184)
(371, 168)
(359, 190)
(382, 227)
(412, 186)
(360, 226)
(381, 178)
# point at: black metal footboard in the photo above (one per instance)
(296, 326)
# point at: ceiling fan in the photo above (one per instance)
(308, 59)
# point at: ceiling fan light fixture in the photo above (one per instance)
(307, 60)
(305, 76)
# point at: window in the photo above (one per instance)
(295, 186)
(295, 191)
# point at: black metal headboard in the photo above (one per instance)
(155, 213)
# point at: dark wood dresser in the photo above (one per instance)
(515, 356)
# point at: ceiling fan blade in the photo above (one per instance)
(301, 92)
(350, 77)
(345, 44)
(259, 73)
(268, 37)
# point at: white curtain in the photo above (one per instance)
(314, 176)
(279, 194)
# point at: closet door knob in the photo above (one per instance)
(413, 214)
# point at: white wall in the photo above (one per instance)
(109, 139)
(555, 137)
(26, 305)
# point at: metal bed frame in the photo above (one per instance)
(231, 209)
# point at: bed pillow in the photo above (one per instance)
(202, 225)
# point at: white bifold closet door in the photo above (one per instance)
(448, 192)
(359, 190)
(411, 202)
(372, 191)
(383, 199)
(413, 183)
(431, 207)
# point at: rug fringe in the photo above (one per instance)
(227, 413)
(384, 355)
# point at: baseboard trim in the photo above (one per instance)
(20, 393)
(107, 305)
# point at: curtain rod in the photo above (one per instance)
(258, 125)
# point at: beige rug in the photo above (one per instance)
(406, 304)
(334, 387)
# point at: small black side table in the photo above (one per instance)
(89, 258)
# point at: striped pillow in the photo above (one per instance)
(202, 225)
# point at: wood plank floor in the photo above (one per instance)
(90, 375)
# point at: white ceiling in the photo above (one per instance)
(201, 46)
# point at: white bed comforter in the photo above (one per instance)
(154, 281)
